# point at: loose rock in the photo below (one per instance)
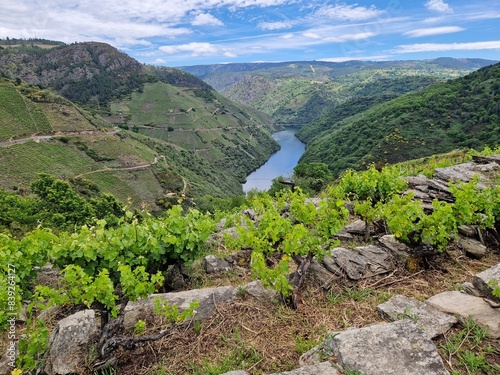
(400, 250)
(487, 281)
(473, 248)
(68, 352)
(426, 318)
(207, 298)
(212, 264)
(469, 307)
(394, 348)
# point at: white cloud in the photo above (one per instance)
(439, 47)
(311, 35)
(344, 12)
(198, 49)
(279, 25)
(119, 22)
(206, 19)
(438, 6)
(417, 33)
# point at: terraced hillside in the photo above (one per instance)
(43, 132)
(201, 134)
(229, 137)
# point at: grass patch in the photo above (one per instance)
(467, 350)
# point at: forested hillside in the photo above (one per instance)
(460, 113)
(296, 93)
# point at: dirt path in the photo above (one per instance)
(38, 138)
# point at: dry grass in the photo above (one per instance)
(266, 337)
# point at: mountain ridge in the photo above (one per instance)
(459, 113)
(299, 92)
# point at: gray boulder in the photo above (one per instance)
(431, 321)
(207, 298)
(362, 262)
(472, 247)
(379, 260)
(237, 372)
(212, 264)
(69, 349)
(256, 290)
(356, 227)
(395, 348)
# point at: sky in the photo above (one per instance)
(194, 32)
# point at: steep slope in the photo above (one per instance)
(232, 139)
(295, 93)
(86, 73)
(223, 139)
(43, 132)
(460, 113)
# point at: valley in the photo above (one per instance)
(129, 243)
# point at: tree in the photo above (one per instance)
(312, 176)
(62, 206)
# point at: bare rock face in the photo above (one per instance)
(431, 321)
(68, 352)
(396, 348)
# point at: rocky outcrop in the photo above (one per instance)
(431, 321)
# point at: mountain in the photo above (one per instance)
(459, 113)
(192, 140)
(296, 93)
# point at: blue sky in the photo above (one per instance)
(191, 32)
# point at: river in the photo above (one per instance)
(281, 163)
